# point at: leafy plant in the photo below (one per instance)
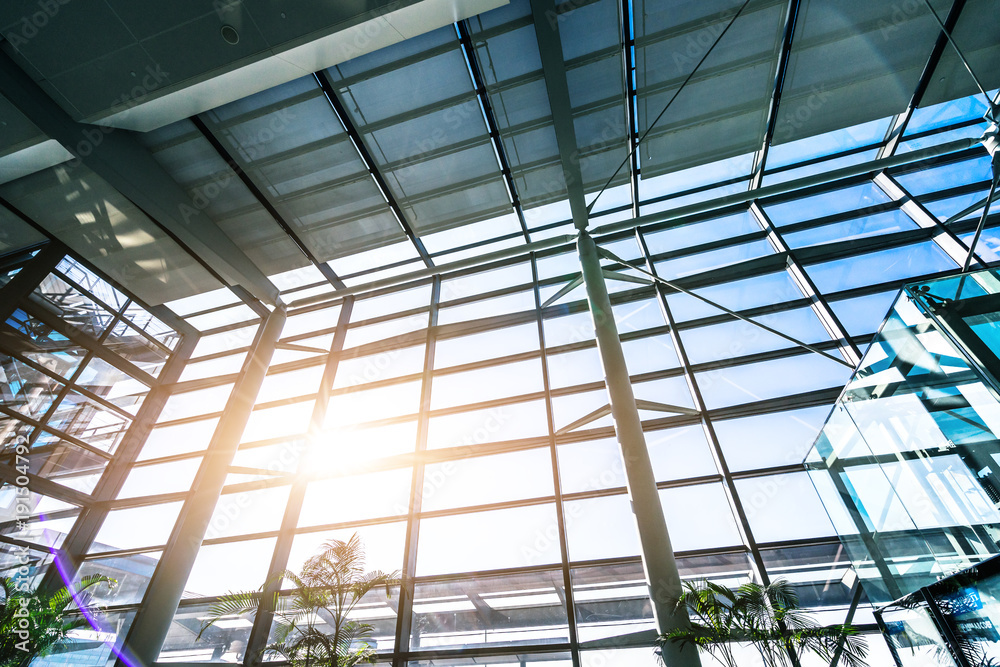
(768, 618)
(31, 623)
(325, 592)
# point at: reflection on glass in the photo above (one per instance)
(136, 527)
(63, 301)
(132, 574)
(908, 464)
(61, 461)
(469, 612)
(35, 518)
(134, 347)
(225, 641)
(113, 385)
(24, 389)
(85, 419)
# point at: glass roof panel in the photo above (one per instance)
(722, 111)
(431, 145)
(292, 145)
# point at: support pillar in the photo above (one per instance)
(658, 563)
(152, 621)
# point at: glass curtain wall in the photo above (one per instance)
(454, 423)
(456, 426)
(82, 367)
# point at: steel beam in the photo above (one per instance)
(760, 161)
(491, 123)
(323, 79)
(128, 167)
(166, 587)
(407, 588)
(658, 562)
(899, 124)
(261, 630)
(554, 70)
(265, 203)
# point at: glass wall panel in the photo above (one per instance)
(334, 500)
(229, 567)
(136, 527)
(487, 479)
(150, 480)
(486, 384)
(509, 610)
(505, 538)
(478, 427)
(486, 345)
(392, 363)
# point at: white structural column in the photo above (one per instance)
(658, 562)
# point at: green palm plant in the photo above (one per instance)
(767, 617)
(31, 623)
(325, 592)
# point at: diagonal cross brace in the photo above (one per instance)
(610, 255)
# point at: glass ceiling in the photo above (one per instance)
(456, 409)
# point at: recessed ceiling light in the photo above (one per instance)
(230, 35)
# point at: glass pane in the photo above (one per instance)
(113, 385)
(132, 346)
(371, 404)
(131, 572)
(278, 422)
(234, 566)
(485, 384)
(246, 512)
(314, 320)
(71, 306)
(173, 477)
(225, 642)
(35, 518)
(178, 439)
(136, 527)
(338, 449)
(277, 386)
(783, 507)
(601, 528)
(477, 427)
(487, 479)
(776, 439)
(24, 389)
(392, 363)
(490, 611)
(334, 500)
(770, 379)
(486, 345)
(62, 462)
(505, 538)
(197, 402)
(688, 509)
(87, 420)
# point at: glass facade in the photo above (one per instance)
(905, 464)
(430, 378)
